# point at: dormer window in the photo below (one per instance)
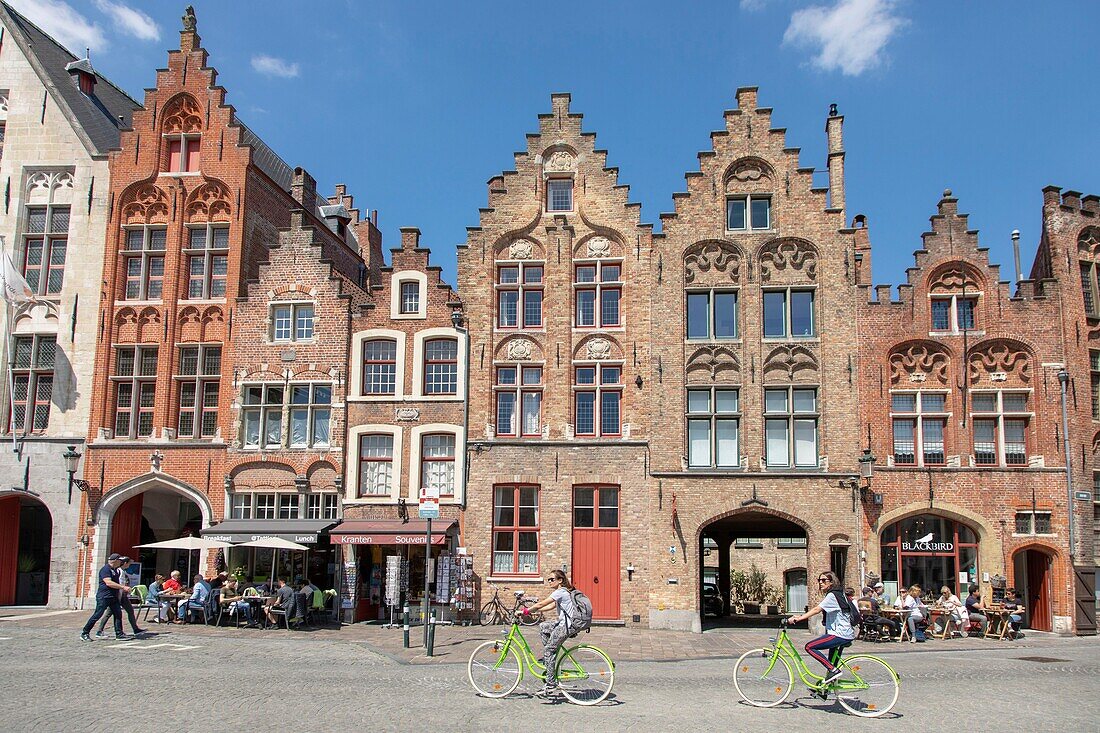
(559, 194)
(183, 153)
(749, 212)
(84, 75)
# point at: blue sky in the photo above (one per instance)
(415, 105)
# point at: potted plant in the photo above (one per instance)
(755, 584)
(738, 579)
(30, 582)
(774, 599)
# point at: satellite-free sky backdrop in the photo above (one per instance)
(415, 105)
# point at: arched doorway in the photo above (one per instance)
(26, 531)
(758, 562)
(931, 551)
(1032, 571)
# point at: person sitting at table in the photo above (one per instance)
(1014, 604)
(888, 626)
(975, 610)
(285, 601)
(219, 580)
(880, 594)
(918, 614)
(231, 597)
(153, 596)
(950, 603)
(172, 585)
(200, 594)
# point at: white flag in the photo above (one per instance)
(14, 288)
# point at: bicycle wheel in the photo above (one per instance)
(869, 687)
(761, 681)
(585, 675)
(489, 614)
(494, 671)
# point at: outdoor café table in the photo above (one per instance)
(257, 603)
(999, 625)
(935, 612)
(172, 599)
(901, 615)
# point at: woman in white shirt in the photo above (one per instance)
(950, 602)
(839, 631)
(917, 613)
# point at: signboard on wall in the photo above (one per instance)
(429, 502)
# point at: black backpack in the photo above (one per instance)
(855, 618)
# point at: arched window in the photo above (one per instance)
(441, 366)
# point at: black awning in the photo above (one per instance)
(302, 531)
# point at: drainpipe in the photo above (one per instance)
(456, 321)
(1063, 379)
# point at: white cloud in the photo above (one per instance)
(272, 66)
(130, 21)
(60, 20)
(850, 35)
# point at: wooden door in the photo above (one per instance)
(9, 548)
(596, 548)
(1038, 591)
(126, 526)
(1084, 598)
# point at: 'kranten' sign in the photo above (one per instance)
(438, 538)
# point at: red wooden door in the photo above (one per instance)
(596, 548)
(126, 527)
(9, 548)
(1038, 590)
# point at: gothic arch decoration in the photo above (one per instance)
(189, 325)
(322, 475)
(713, 262)
(145, 204)
(748, 172)
(559, 159)
(790, 362)
(1088, 242)
(213, 324)
(35, 317)
(999, 362)
(257, 475)
(126, 326)
(148, 325)
(713, 361)
(780, 255)
(598, 348)
(955, 276)
(181, 114)
(918, 362)
(519, 348)
(520, 248)
(598, 246)
(209, 202)
(50, 186)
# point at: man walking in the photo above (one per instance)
(106, 597)
(124, 601)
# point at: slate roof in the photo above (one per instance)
(95, 119)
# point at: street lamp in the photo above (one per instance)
(72, 463)
(867, 465)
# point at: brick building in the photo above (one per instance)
(58, 120)
(961, 398)
(283, 475)
(196, 200)
(556, 280)
(406, 427)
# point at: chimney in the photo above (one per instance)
(303, 189)
(82, 74)
(834, 131)
(410, 238)
(1016, 254)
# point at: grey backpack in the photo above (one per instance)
(582, 612)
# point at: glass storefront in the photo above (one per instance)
(930, 551)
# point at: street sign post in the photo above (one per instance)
(429, 509)
(429, 502)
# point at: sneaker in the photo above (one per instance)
(84, 636)
(833, 676)
(99, 634)
(548, 690)
(123, 637)
(140, 631)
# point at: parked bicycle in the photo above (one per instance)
(764, 677)
(585, 673)
(495, 613)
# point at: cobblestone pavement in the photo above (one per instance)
(330, 680)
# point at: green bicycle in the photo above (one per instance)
(585, 673)
(764, 678)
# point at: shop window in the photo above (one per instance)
(1000, 423)
(713, 419)
(289, 506)
(32, 367)
(953, 313)
(519, 296)
(410, 297)
(1033, 523)
(135, 387)
(749, 212)
(322, 506)
(198, 378)
(559, 194)
(597, 399)
(45, 246)
(1090, 288)
(712, 314)
(789, 313)
(518, 392)
(441, 367)
(597, 292)
(437, 463)
(380, 367)
(516, 530)
(292, 322)
(596, 507)
(375, 464)
(919, 420)
(930, 551)
(184, 153)
(143, 260)
(262, 416)
(207, 261)
(790, 427)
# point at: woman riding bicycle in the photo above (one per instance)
(838, 627)
(555, 631)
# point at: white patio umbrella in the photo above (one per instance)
(187, 543)
(275, 544)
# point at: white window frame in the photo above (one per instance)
(572, 194)
(918, 417)
(395, 294)
(597, 286)
(521, 288)
(311, 408)
(318, 505)
(748, 199)
(518, 390)
(791, 417)
(263, 408)
(351, 464)
(999, 415)
(294, 306)
(598, 388)
(815, 331)
(358, 342)
(712, 416)
(953, 312)
(711, 294)
(419, 339)
(415, 441)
